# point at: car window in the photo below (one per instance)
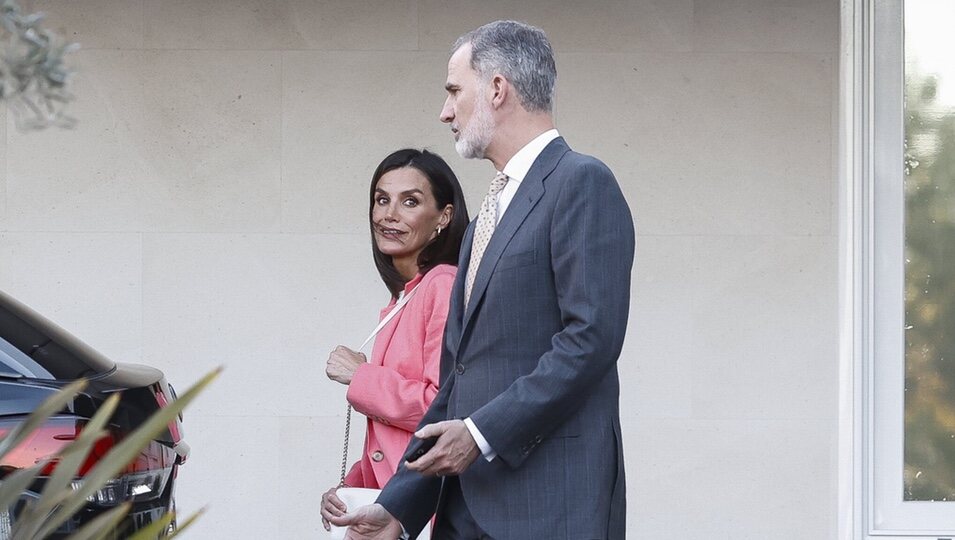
(13, 361)
(35, 347)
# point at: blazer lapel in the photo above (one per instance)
(526, 197)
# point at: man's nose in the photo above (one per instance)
(447, 112)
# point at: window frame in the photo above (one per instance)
(873, 306)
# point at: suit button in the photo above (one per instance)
(460, 369)
(377, 456)
(537, 439)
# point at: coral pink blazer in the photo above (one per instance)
(395, 388)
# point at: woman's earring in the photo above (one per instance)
(438, 229)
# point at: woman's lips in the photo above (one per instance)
(388, 232)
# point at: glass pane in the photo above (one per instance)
(929, 250)
(14, 361)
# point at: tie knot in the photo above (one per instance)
(498, 184)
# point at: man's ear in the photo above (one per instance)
(500, 89)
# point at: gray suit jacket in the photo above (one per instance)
(532, 361)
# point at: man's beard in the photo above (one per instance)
(476, 136)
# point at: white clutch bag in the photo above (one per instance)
(353, 498)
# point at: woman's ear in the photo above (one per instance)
(446, 216)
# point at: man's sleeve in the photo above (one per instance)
(592, 244)
(410, 497)
(486, 450)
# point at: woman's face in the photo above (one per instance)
(405, 217)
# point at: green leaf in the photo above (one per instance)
(75, 454)
(188, 523)
(58, 487)
(102, 525)
(16, 483)
(154, 529)
(31, 518)
(123, 453)
(50, 406)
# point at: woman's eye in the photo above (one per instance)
(382, 201)
(411, 203)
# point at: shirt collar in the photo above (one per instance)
(517, 167)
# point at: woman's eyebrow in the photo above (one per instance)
(414, 191)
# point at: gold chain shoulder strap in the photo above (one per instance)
(391, 314)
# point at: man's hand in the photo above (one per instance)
(454, 451)
(371, 522)
(343, 363)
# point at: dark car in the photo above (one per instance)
(36, 359)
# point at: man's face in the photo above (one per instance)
(467, 108)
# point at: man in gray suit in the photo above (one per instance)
(527, 419)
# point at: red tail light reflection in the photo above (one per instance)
(174, 424)
(44, 444)
(151, 468)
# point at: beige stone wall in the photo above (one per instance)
(210, 210)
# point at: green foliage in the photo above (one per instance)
(62, 497)
(33, 77)
(929, 292)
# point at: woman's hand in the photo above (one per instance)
(332, 506)
(343, 363)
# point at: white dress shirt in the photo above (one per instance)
(515, 169)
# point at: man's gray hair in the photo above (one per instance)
(521, 53)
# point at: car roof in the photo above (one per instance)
(33, 346)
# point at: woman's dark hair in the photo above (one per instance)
(444, 185)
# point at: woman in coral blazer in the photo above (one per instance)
(418, 217)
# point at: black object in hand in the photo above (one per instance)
(420, 447)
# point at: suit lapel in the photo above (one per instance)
(456, 308)
(528, 193)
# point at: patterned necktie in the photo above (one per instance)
(486, 221)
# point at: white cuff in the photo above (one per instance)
(486, 450)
